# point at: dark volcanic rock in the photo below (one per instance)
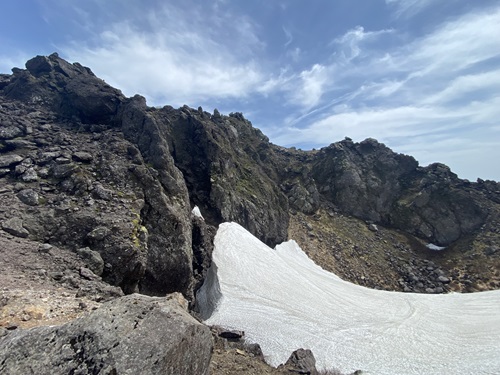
(371, 182)
(28, 196)
(226, 167)
(10, 160)
(95, 200)
(93, 260)
(130, 335)
(203, 245)
(166, 212)
(435, 206)
(70, 89)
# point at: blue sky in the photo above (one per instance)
(421, 76)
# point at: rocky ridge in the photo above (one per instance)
(83, 166)
(96, 193)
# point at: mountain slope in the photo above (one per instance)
(82, 165)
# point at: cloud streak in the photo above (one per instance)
(408, 8)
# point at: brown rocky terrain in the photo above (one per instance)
(96, 192)
(45, 285)
(383, 258)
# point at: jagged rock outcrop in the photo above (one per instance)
(166, 211)
(96, 177)
(94, 203)
(362, 179)
(301, 361)
(371, 182)
(225, 163)
(69, 89)
(439, 206)
(129, 335)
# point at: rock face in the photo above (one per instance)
(82, 166)
(226, 165)
(166, 212)
(371, 182)
(130, 335)
(97, 173)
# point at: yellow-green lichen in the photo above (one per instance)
(139, 231)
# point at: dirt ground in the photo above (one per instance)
(44, 286)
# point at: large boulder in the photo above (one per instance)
(130, 335)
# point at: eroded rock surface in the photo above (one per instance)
(130, 335)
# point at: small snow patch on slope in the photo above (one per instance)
(196, 212)
(431, 246)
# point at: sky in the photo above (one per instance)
(420, 76)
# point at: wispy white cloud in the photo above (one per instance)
(456, 45)
(312, 83)
(277, 83)
(398, 123)
(307, 88)
(468, 86)
(178, 58)
(350, 42)
(360, 124)
(426, 97)
(408, 8)
(288, 35)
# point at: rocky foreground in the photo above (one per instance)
(57, 316)
(96, 193)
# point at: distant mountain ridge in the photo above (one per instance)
(121, 178)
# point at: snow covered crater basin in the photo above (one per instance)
(283, 301)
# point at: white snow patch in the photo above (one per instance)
(435, 247)
(283, 301)
(196, 212)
